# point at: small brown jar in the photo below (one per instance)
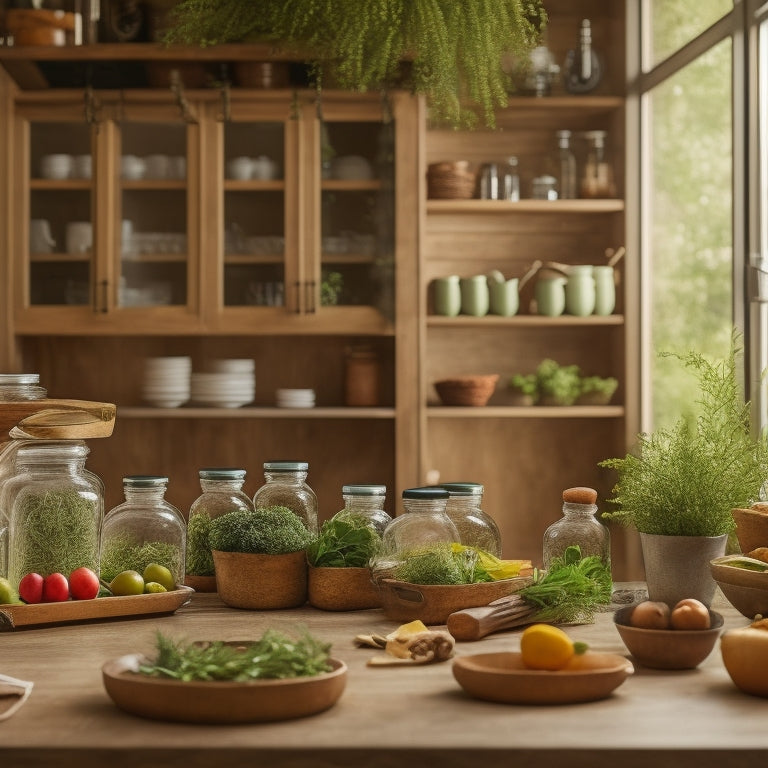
(362, 373)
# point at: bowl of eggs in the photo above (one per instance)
(664, 637)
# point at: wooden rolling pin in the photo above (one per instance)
(54, 419)
(475, 623)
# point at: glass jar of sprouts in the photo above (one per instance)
(366, 501)
(286, 486)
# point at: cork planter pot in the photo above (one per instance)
(261, 582)
(342, 589)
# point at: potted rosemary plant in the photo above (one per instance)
(596, 390)
(679, 487)
(260, 558)
(557, 384)
(339, 577)
(451, 51)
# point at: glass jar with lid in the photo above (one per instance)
(286, 486)
(144, 529)
(597, 173)
(476, 528)
(55, 510)
(578, 526)
(15, 387)
(366, 501)
(222, 492)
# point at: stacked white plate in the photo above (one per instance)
(229, 384)
(295, 398)
(167, 381)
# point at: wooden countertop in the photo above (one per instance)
(387, 716)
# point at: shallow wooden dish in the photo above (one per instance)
(502, 677)
(748, 601)
(220, 702)
(434, 603)
(722, 571)
(668, 648)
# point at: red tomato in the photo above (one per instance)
(31, 588)
(83, 584)
(55, 588)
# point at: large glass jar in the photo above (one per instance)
(222, 493)
(366, 501)
(476, 528)
(21, 386)
(144, 529)
(55, 510)
(578, 526)
(286, 486)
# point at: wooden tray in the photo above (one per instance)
(40, 614)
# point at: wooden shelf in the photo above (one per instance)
(263, 412)
(527, 412)
(58, 185)
(535, 321)
(497, 207)
(350, 185)
(252, 185)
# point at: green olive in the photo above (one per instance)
(127, 583)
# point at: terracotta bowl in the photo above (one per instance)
(745, 590)
(342, 589)
(668, 648)
(467, 390)
(751, 528)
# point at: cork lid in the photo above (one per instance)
(580, 495)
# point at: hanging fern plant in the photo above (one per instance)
(450, 50)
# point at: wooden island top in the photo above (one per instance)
(387, 717)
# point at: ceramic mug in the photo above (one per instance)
(56, 166)
(82, 166)
(263, 168)
(580, 291)
(79, 236)
(40, 237)
(132, 167)
(550, 296)
(447, 296)
(504, 297)
(239, 168)
(158, 166)
(475, 299)
(605, 290)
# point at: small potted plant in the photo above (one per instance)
(523, 389)
(260, 558)
(339, 577)
(596, 390)
(557, 384)
(680, 486)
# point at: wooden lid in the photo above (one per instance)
(580, 495)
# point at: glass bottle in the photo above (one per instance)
(567, 188)
(21, 386)
(55, 510)
(511, 180)
(578, 526)
(144, 529)
(366, 501)
(597, 175)
(544, 188)
(489, 182)
(476, 528)
(580, 291)
(286, 486)
(222, 492)
(582, 70)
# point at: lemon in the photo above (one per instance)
(8, 595)
(160, 575)
(152, 586)
(127, 583)
(543, 646)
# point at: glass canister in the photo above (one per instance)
(21, 386)
(55, 510)
(580, 291)
(605, 289)
(222, 492)
(476, 528)
(566, 161)
(366, 501)
(362, 374)
(286, 486)
(144, 529)
(578, 526)
(597, 173)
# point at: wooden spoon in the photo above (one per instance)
(475, 623)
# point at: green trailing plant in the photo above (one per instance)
(559, 383)
(122, 553)
(685, 480)
(344, 541)
(272, 530)
(450, 50)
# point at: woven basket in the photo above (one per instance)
(751, 528)
(467, 390)
(451, 181)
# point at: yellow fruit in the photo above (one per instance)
(8, 595)
(543, 646)
(152, 586)
(745, 656)
(161, 575)
(127, 583)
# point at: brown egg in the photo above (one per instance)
(650, 615)
(690, 614)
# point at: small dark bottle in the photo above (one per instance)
(582, 71)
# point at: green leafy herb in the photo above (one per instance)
(274, 656)
(344, 541)
(268, 530)
(440, 565)
(199, 557)
(122, 553)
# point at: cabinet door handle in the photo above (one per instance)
(298, 297)
(104, 293)
(311, 309)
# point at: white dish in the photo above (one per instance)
(236, 366)
(351, 168)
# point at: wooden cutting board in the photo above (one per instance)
(56, 419)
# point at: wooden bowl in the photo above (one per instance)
(434, 603)
(502, 677)
(467, 390)
(751, 528)
(220, 702)
(668, 648)
(745, 590)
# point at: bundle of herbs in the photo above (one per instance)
(274, 656)
(345, 541)
(199, 556)
(122, 553)
(268, 530)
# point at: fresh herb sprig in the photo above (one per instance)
(344, 541)
(274, 656)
